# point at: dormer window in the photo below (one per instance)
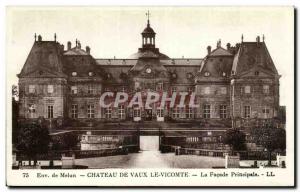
(91, 74)
(206, 74)
(189, 75)
(74, 74)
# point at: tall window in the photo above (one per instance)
(190, 89)
(189, 112)
(31, 110)
(108, 112)
(50, 88)
(174, 89)
(50, 111)
(159, 87)
(207, 90)
(266, 112)
(91, 89)
(176, 112)
(223, 90)
(159, 112)
(91, 111)
(74, 111)
(247, 111)
(247, 89)
(223, 111)
(121, 112)
(266, 89)
(31, 89)
(136, 112)
(123, 89)
(206, 111)
(74, 90)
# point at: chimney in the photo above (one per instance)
(88, 49)
(79, 45)
(69, 45)
(228, 46)
(39, 38)
(62, 47)
(208, 50)
(219, 43)
(257, 40)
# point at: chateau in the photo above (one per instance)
(233, 86)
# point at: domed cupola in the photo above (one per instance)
(148, 44)
(148, 35)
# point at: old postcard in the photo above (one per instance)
(150, 96)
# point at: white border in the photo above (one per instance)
(5, 3)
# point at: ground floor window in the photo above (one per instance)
(50, 111)
(189, 112)
(91, 111)
(247, 111)
(108, 112)
(206, 111)
(137, 112)
(223, 111)
(176, 112)
(74, 111)
(159, 112)
(121, 112)
(266, 112)
(31, 110)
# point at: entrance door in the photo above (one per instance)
(148, 114)
(149, 143)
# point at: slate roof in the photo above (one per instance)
(251, 54)
(219, 61)
(45, 55)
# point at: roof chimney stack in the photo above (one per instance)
(219, 43)
(88, 49)
(208, 50)
(39, 38)
(79, 45)
(69, 45)
(228, 46)
(257, 40)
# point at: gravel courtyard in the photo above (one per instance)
(152, 159)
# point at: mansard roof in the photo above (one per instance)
(252, 54)
(45, 55)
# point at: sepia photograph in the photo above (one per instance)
(133, 93)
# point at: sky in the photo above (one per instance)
(180, 31)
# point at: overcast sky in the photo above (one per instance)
(114, 31)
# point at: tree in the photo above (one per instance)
(236, 139)
(270, 138)
(33, 139)
(15, 113)
(66, 142)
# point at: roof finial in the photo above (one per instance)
(148, 15)
(55, 37)
(34, 36)
(263, 37)
(242, 38)
(76, 42)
